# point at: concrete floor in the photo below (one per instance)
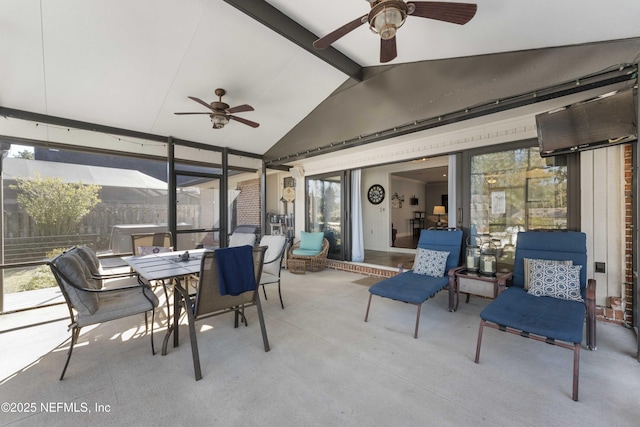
(326, 367)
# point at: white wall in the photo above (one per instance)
(376, 220)
(602, 217)
(434, 194)
(273, 191)
(401, 217)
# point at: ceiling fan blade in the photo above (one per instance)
(245, 121)
(192, 113)
(456, 13)
(239, 109)
(388, 50)
(200, 101)
(327, 40)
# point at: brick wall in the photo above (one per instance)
(361, 269)
(248, 202)
(627, 297)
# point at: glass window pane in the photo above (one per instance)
(54, 199)
(516, 190)
(198, 199)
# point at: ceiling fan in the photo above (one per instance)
(386, 16)
(221, 113)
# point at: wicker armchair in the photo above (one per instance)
(298, 264)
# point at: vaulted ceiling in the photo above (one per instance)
(132, 64)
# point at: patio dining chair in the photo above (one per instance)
(272, 266)
(227, 284)
(243, 235)
(91, 300)
(148, 243)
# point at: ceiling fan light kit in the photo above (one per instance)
(219, 120)
(386, 16)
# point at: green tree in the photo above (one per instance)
(25, 154)
(57, 207)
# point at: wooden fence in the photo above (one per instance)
(97, 225)
(24, 249)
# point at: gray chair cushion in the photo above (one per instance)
(117, 304)
(242, 239)
(267, 278)
(72, 269)
(89, 274)
(275, 246)
(90, 259)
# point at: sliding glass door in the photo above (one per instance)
(327, 206)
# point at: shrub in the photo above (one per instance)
(42, 277)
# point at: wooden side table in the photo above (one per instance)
(474, 283)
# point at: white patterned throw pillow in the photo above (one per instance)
(555, 280)
(529, 261)
(430, 263)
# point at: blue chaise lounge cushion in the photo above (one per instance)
(409, 287)
(544, 316)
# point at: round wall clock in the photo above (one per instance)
(376, 194)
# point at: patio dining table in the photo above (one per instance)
(166, 265)
(172, 266)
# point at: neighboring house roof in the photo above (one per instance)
(14, 168)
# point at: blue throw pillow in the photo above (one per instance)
(311, 241)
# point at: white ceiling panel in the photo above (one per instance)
(255, 66)
(22, 68)
(498, 26)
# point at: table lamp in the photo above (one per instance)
(439, 210)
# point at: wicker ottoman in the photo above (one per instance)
(297, 265)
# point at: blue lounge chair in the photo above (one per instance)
(551, 319)
(418, 285)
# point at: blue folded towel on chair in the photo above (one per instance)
(235, 270)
